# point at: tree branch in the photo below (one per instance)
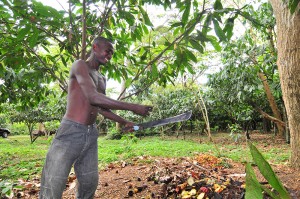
(62, 84)
(176, 40)
(83, 44)
(266, 115)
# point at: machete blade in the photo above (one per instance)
(178, 118)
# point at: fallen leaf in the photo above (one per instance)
(201, 196)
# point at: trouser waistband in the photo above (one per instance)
(67, 121)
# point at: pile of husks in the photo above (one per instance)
(199, 178)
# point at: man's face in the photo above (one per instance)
(104, 52)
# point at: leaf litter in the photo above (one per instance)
(201, 177)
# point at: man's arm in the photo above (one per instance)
(81, 73)
(112, 116)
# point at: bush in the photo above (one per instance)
(52, 126)
(19, 129)
(113, 134)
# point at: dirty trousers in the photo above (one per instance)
(76, 144)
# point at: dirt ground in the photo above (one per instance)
(201, 176)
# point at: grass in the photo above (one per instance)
(20, 159)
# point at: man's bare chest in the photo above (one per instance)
(99, 81)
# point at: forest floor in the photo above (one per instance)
(201, 176)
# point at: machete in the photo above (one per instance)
(178, 118)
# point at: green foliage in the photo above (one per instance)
(266, 170)
(129, 138)
(236, 87)
(33, 56)
(114, 134)
(293, 4)
(6, 188)
(19, 129)
(235, 132)
(52, 125)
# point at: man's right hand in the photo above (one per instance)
(143, 110)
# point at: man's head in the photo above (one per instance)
(99, 40)
(102, 50)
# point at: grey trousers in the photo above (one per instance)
(74, 144)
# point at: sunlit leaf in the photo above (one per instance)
(219, 31)
(253, 188)
(215, 43)
(128, 82)
(228, 29)
(34, 37)
(218, 5)
(186, 12)
(191, 55)
(23, 32)
(145, 16)
(197, 46)
(267, 171)
(293, 5)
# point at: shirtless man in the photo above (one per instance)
(76, 139)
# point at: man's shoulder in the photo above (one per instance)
(77, 67)
(78, 63)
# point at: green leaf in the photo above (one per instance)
(267, 171)
(190, 69)
(34, 38)
(190, 55)
(186, 12)
(42, 10)
(218, 5)
(154, 70)
(177, 24)
(145, 29)
(229, 27)
(145, 16)
(197, 46)
(253, 188)
(219, 31)
(215, 43)
(45, 48)
(6, 190)
(63, 60)
(23, 32)
(206, 24)
(128, 82)
(128, 17)
(170, 69)
(293, 5)
(167, 4)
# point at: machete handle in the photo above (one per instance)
(135, 128)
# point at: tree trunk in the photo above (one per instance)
(288, 45)
(272, 103)
(266, 125)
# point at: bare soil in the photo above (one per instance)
(170, 178)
